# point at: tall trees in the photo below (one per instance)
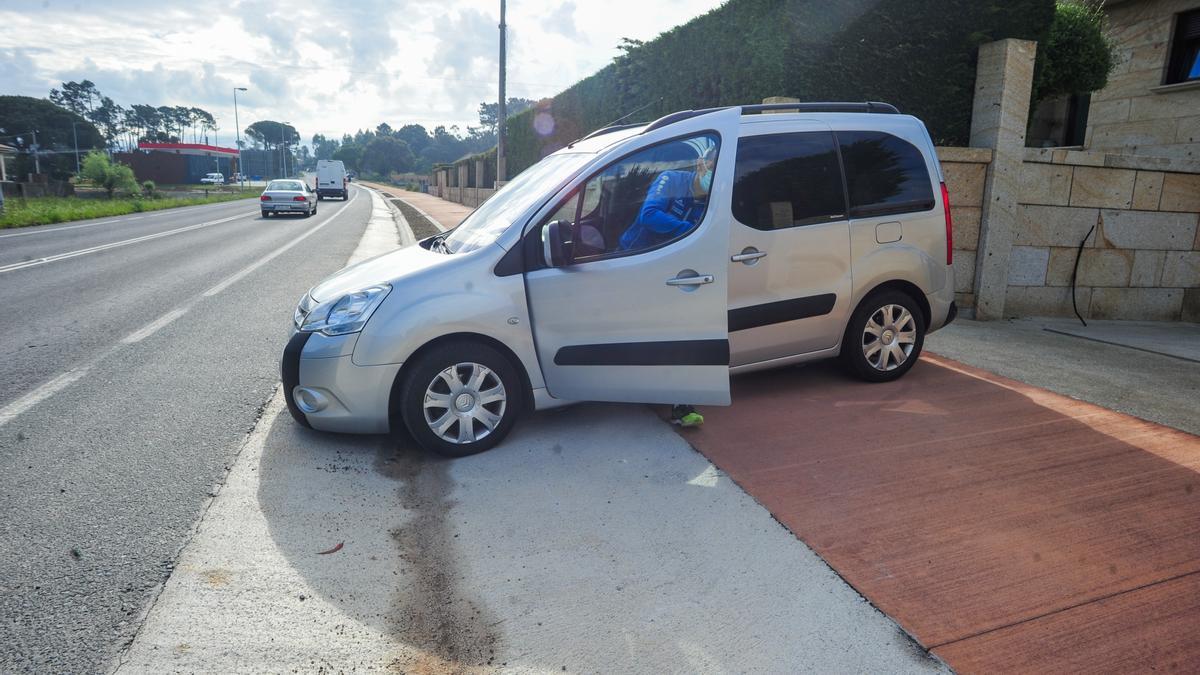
(386, 155)
(490, 112)
(124, 127)
(78, 97)
(349, 154)
(323, 148)
(57, 130)
(269, 133)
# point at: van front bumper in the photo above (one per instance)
(326, 391)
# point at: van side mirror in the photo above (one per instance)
(558, 243)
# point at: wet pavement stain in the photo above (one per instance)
(456, 632)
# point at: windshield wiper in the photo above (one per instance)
(439, 243)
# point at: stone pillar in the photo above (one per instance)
(1003, 82)
(479, 181)
(779, 99)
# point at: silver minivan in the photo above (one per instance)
(642, 263)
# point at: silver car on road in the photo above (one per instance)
(288, 196)
(642, 264)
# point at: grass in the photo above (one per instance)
(420, 225)
(46, 210)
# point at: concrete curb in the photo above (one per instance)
(384, 214)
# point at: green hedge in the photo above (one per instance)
(917, 54)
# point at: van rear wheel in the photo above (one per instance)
(461, 398)
(884, 337)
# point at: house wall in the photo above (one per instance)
(1135, 114)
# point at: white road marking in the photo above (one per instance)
(238, 276)
(117, 244)
(19, 406)
(707, 477)
(154, 326)
(52, 387)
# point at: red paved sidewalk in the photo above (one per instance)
(447, 213)
(1007, 528)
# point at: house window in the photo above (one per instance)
(1184, 65)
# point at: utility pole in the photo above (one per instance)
(238, 130)
(76, 135)
(502, 113)
(37, 162)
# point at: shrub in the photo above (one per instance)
(103, 173)
(1077, 53)
(149, 189)
(917, 54)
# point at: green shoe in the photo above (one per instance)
(686, 416)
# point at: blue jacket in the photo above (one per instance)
(669, 211)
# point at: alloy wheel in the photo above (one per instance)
(464, 403)
(889, 337)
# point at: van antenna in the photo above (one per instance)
(633, 112)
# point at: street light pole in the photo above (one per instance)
(502, 112)
(238, 129)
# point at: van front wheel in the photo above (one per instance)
(884, 337)
(461, 398)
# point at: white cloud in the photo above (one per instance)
(325, 67)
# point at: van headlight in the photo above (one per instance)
(347, 314)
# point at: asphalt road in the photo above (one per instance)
(138, 352)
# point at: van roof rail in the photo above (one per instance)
(679, 117)
(875, 107)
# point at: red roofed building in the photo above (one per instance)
(173, 163)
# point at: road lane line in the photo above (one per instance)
(116, 244)
(48, 230)
(52, 387)
(238, 276)
(19, 406)
(154, 326)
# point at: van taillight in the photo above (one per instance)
(949, 226)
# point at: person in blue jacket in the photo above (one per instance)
(674, 204)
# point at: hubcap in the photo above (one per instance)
(889, 337)
(464, 403)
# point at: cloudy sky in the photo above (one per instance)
(351, 65)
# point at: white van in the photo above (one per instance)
(331, 179)
(642, 263)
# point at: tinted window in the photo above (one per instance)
(784, 180)
(884, 174)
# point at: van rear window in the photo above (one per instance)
(884, 174)
(787, 180)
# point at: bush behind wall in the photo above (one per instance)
(917, 54)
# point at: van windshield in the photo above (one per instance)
(493, 217)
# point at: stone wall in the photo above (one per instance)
(965, 170)
(1135, 113)
(1141, 260)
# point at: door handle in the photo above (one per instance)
(748, 255)
(698, 280)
